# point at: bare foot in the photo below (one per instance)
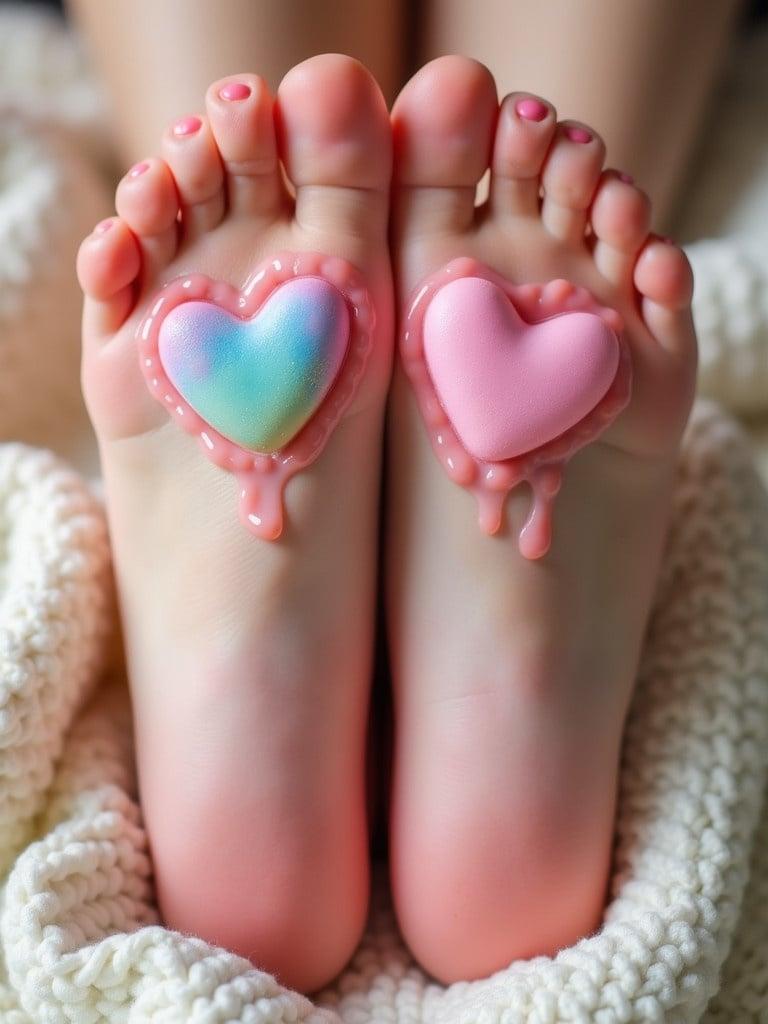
(512, 677)
(249, 660)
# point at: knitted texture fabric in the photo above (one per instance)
(80, 936)
(743, 993)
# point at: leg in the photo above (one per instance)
(158, 58)
(626, 67)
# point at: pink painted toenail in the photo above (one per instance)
(531, 110)
(187, 126)
(102, 226)
(235, 91)
(578, 134)
(626, 178)
(138, 169)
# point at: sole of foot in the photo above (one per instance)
(249, 660)
(511, 677)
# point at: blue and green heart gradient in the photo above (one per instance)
(258, 381)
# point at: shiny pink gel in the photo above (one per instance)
(511, 381)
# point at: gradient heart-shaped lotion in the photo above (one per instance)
(260, 375)
(511, 381)
(258, 381)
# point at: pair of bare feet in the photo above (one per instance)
(250, 661)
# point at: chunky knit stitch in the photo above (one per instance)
(79, 931)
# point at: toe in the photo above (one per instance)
(146, 200)
(108, 264)
(667, 370)
(335, 143)
(443, 123)
(663, 274)
(241, 115)
(569, 179)
(620, 219)
(524, 133)
(664, 279)
(190, 151)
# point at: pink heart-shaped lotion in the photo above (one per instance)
(507, 386)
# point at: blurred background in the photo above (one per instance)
(678, 90)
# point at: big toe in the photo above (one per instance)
(335, 142)
(443, 123)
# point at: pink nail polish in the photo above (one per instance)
(531, 110)
(235, 91)
(578, 134)
(102, 226)
(187, 126)
(138, 169)
(626, 178)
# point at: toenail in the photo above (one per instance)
(102, 226)
(235, 91)
(138, 169)
(626, 178)
(578, 134)
(187, 126)
(667, 240)
(531, 110)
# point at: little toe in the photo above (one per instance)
(620, 219)
(190, 151)
(108, 264)
(146, 200)
(443, 123)
(667, 369)
(241, 115)
(569, 179)
(524, 133)
(664, 279)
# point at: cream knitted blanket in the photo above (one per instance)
(685, 936)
